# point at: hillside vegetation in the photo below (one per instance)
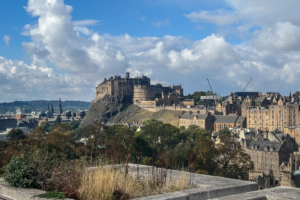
(40, 105)
(137, 114)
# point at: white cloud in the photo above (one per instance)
(165, 22)
(142, 18)
(6, 39)
(87, 22)
(248, 14)
(271, 58)
(220, 17)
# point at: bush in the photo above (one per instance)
(56, 195)
(16, 173)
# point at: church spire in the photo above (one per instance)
(48, 107)
(59, 109)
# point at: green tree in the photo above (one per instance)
(193, 133)
(79, 133)
(57, 120)
(74, 124)
(232, 159)
(204, 155)
(46, 126)
(15, 134)
(180, 156)
(224, 131)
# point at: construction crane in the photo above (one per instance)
(211, 91)
(247, 85)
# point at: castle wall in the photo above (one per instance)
(146, 92)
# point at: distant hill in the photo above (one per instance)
(40, 105)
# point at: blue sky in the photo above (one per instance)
(56, 48)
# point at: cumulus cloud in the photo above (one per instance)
(68, 58)
(6, 39)
(248, 14)
(22, 81)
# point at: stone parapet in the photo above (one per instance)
(8, 192)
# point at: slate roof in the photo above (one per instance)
(248, 141)
(226, 119)
(191, 116)
(261, 144)
(259, 99)
(240, 120)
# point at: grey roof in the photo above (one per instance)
(192, 115)
(259, 99)
(240, 120)
(226, 119)
(247, 141)
(261, 144)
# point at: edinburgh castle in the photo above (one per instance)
(140, 89)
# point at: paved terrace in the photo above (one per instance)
(208, 187)
(277, 193)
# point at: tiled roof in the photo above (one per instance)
(226, 119)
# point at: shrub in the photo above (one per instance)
(56, 195)
(16, 173)
(66, 177)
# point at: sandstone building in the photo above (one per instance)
(267, 156)
(229, 121)
(276, 116)
(141, 90)
(202, 120)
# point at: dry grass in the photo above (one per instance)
(106, 183)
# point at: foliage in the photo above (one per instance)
(56, 195)
(15, 134)
(66, 177)
(224, 131)
(17, 173)
(204, 154)
(74, 124)
(233, 161)
(45, 125)
(57, 120)
(79, 133)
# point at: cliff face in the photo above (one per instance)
(106, 108)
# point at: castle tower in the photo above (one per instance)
(59, 109)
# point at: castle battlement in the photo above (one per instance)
(139, 87)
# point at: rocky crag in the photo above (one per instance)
(106, 108)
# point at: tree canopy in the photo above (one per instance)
(15, 134)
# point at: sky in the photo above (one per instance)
(55, 48)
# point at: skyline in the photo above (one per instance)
(55, 48)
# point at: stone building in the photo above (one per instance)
(275, 116)
(141, 90)
(267, 156)
(294, 132)
(230, 106)
(118, 86)
(229, 121)
(202, 120)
